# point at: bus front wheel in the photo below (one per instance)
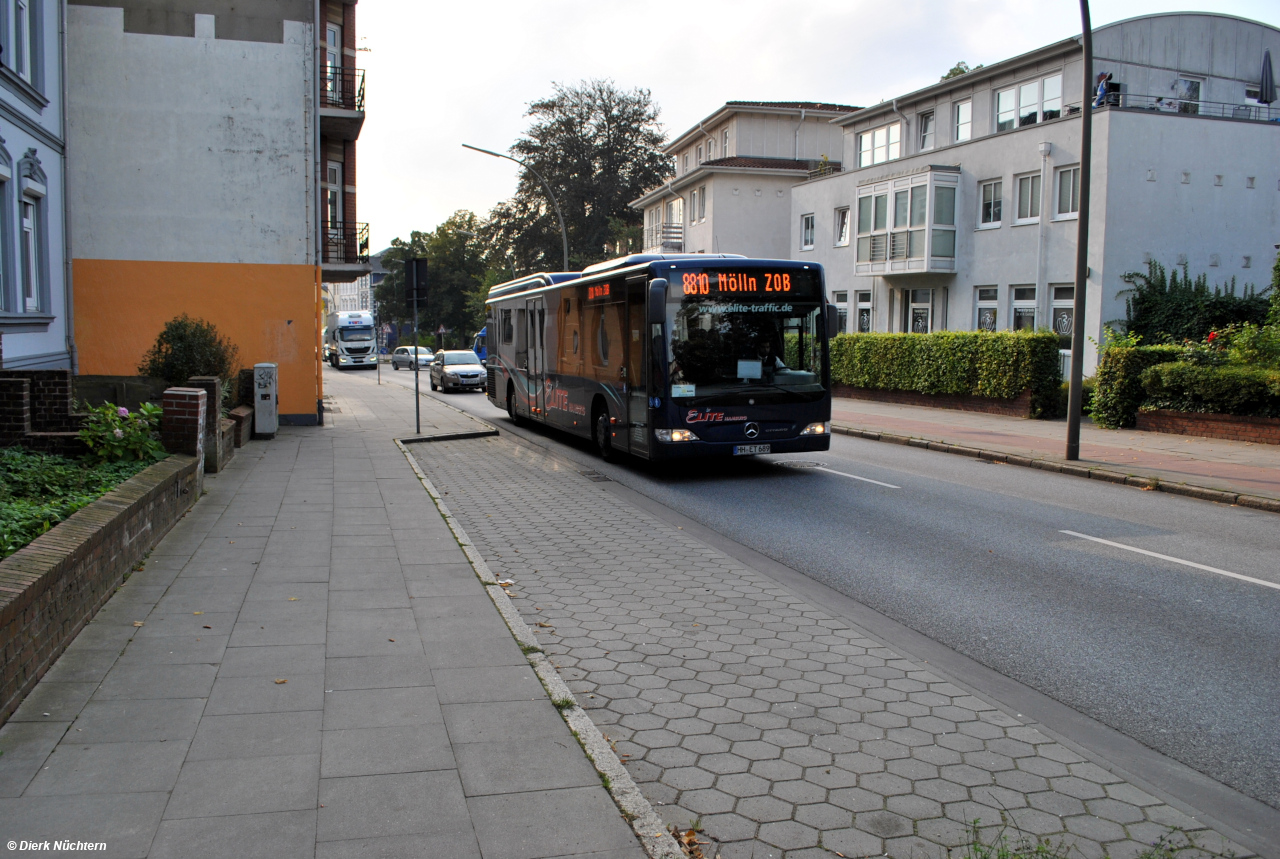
(604, 436)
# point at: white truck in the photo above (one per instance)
(350, 340)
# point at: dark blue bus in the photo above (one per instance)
(667, 356)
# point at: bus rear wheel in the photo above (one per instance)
(511, 405)
(604, 436)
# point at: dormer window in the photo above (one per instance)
(880, 145)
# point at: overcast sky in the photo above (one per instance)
(444, 74)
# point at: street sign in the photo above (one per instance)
(442, 330)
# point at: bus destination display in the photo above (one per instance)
(739, 283)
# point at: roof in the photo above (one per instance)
(797, 105)
(775, 166)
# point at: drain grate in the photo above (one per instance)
(596, 476)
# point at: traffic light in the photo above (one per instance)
(415, 284)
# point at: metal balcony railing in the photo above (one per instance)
(664, 238)
(346, 242)
(342, 87)
(1198, 107)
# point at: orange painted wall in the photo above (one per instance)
(268, 311)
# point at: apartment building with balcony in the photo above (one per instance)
(35, 302)
(957, 204)
(202, 140)
(734, 171)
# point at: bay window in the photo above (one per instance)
(880, 145)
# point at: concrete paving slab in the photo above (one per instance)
(25, 746)
(265, 694)
(380, 751)
(481, 685)
(138, 681)
(215, 788)
(377, 672)
(278, 660)
(379, 806)
(381, 708)
(125, 822)
(54, 701)
(138, 721)
(461, 845)
(278, 835)
(549, 823)
(74, 768)
(257, 735)
(528, 763)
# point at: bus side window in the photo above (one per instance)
(522, 341)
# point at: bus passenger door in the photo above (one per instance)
(536, 313)
(637, 370)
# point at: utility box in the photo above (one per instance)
(266, 400)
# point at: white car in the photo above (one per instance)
(457, 369)
(403, 357)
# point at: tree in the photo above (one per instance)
(457, 281)
(599, 148)
(960, 68)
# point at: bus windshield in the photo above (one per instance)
(356, 335)
(730, 341)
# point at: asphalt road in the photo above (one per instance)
(973, 555)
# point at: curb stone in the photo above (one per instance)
(1189, 490)
(636, 810)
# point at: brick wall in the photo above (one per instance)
(52, 587)
(1019, 407)
(36, 411)
(1231, 427)
(182, 427)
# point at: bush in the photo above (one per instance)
(1222, 389)
(974, 363)
(37, 491)
(1163, 307)
(1119, 392)
(191, 347)
(114, 433)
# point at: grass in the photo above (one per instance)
(563, 704)
(1001, 845)
(526, 649)
(37, 491)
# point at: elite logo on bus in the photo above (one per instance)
(699, 283)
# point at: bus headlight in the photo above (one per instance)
(342, 359)
(674, 435)
(819, 428)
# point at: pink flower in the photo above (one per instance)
(119, 433)
(122, 412)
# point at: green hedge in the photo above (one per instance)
(1223, 389)
(1119, 392)
(975, 363)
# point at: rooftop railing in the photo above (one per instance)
(664, 238)
(1225, 110)
(342, 87)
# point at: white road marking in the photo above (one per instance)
(856, 477)
(1265, 584)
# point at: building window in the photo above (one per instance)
(693, 206)
(686, 162)
(842, 227)
(841, 301)
(702, 202)
(711, 149)
(926, 131)
(22, 43)
(991, 201)
(1024, 308)
(1051, 107)
(1068, 191)
(699, 153)
(880, 145)
(964, 121)
(333, 193)
(920, 311)
(1188, 90)
(988, 311)
(1029, 198)
(1029, 103)
(878, 239)
(1064, 311)
(864, 312)
(1006, 109)
(806, 232)
(30, 256)
(725, 148)
(944, 217)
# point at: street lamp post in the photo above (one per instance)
(564, 234)
(1074, 393)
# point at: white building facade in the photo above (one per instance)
(734, 174)
(35, 300)
(957, 206)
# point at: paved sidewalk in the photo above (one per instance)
(306, 666)
(1231, 466)
(778, 727)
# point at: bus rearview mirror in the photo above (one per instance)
(833, 321)
(658, 300)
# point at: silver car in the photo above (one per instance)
(403, 357)
(457, 369)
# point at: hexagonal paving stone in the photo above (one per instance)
(852, 842)
(729, 827)
(776, 770)
(688, 778)
(942, 790)
(823, 816)
(831, 778)
(885, 784)
(884, 824)
(915, 847)
(948, 833)
(965, 775)
(705, 744)
(1056, 803)
(708, 801)
(1094, 828)
(765, 808)
(1110, 809)
(798, 791)
(724, 763)
(1077, 787)
(788, 835)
